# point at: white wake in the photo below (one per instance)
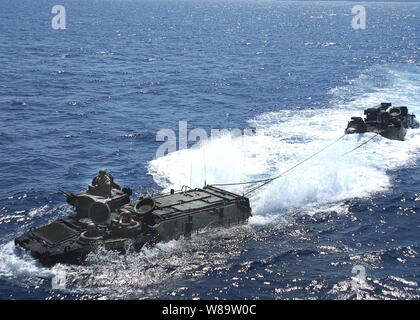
(286, 137)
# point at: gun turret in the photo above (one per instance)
(96, 207)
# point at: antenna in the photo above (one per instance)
(205, 167)
(191, 174)
(243, 162)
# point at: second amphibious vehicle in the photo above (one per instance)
(386, 120)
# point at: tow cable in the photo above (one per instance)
(264, 182)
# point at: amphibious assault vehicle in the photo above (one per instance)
(390, 122)
(114, 222)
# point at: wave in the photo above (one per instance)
(286, 137)
(15, 264)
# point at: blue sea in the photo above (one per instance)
(96, 94)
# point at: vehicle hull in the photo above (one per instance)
(176, 214)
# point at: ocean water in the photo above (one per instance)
(96, 94)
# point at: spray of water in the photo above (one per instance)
(286, 137)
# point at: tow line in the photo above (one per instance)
(264, 182)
